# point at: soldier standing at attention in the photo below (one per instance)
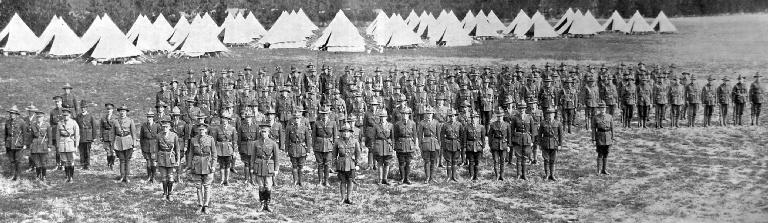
(225, 137)
(427, 133)
(14, 138)
(108, 134)
(709, 100)
(644, 91)
(677, 100)
(69, 100)
(346, 156)
(660, 98)
(551, 139)
(247, 134)
(382, 145)
(568, 97)
(125, 133)
(756, 97)
(164, 95)
(591, 95)
(499, 135)
(693, 98)
(88, 131)
(67, 143)
(724, 98)
(370, 119)
(488, 102)
(405, 143)
(203, 152)
(739, 95)
(284, 105)
(602, 135)
(167, 156)
(41, 144)
(522, 128)
(451, 143)
(547, 95)
(474, 142)
(265, 165)
(536, 116)
(608, 94)
(628, 100)
(178, 126)
(298, 143)
(53, 121)
(323, 134)
(148, 141)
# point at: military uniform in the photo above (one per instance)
(89, 132)
(69, 100)
(450, 135)
(107, 136)
(591, 95)
(202, 148)
(148, 144)
(629, 98)
(125, 132)
(739, 94)
(473, 137)
(298, 145)
(499, 139)
(567, 101)
(167, 156)
(550, 138)
(660, 99)
(693, 99)
(522, 127)
(724, 99)
(709, 100)
(40, 146)
(677, 100)
(405, 144)
(323, 135)
(226, 145)
(756, 97)
(382, 146)
(68, 136)
(248, 134)
(427, 133)
(14, 138)
(602, 135)
(644, 102)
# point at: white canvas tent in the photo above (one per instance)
(518, 25)
(17, 37)
(615, 23)
(397, 34)
(141, 23)
(180, 31)
(236, 32)
(451, 34)
(566, 18)
(150, 39)
(110, 43)
(468, 20)
(539, 28)
(495, 21)
(592, 22)
(47, 32)
(340, 36)
(199, 41)
(162, 26)
(60, 41)
(662, 24)
(412, 19)
(567, 24)
(254, 27)
(305, 21)
(379, 22)
(637, 24)
(285, 33)
(581, 26)
(422, 27)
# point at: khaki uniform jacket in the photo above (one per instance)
(346, 153)
(68, 136)
(739, 93)
(148, 137)
(550, 135)
(107, 131)
(450, 135)
(756, 93)
(428, 133)
(15, 134)
(499, 135)
(709, 95)
(382, 139)
(693, 93)
(405, 136)
(41, 139)
(88, 127)
(298, 138)
(323, 134)
(602, 130)
(125, 132)
(473, 137)
(168, 149)
(203, 151)
(226, 139)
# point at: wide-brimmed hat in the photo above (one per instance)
(150, 113)
(345, 128)
(405, 110)
(383, 113)
(165, 120)
(123, 107)
(13, 110)
(324, 110)
(67, 86)
(86, 104)
(31, 108)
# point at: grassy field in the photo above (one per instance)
(670, 175)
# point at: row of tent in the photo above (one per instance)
(104, 41)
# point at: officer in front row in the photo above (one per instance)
(265, 164)
(405, 143)
(167, 156)
(203, 152)
(15, 130)
(451, 143)
(551, 139)
(602, 135)
(499, 135)
(473, 138)
(346, 156)
(427, 132)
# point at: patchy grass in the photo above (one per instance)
(713, 174)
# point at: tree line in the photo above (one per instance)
(79, 14)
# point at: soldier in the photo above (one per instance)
(739, 95)
(346, 156)
(756, 97)
(590, 96)
(551, 139)
(40, 145)
(167, 156)
(487, 103)
(644, 91)
(54, 117)
(629, 98)
(247, 134)
(499, 135)
(14, 138)
(608, 94)
(125, 133)
(298, 143)
(179, 127)
(676, 100)
(451, 143)
(427, 133)
(30, 121)
(108, 134)
(225, 137)
(148, 141)
(547, 95)
(88, 131)
(724, 99)
(693, 99)
(660, 99)
(382, 145)
(370, 119)
(323, 135)
(67, 142)
(567, 102)
(405, 143)
(265, 164)
(522, 127)
(203, 152)
(536, 116)
(164, 95)
(227, 97)
(284, 106)
(473, 139)
(709, 100)
(602, 135)
(69, 100)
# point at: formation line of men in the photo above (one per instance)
(352, 120)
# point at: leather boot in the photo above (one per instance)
(206, 196)
(68, 170)
(152, 174)
(294, 177)
(522, 170)
(407, 169)
(552, 170)
(426, 173)
(111, 162)
(165, 189)
(453, 173)
(38, 173)
(546, 169)
(326, 175)
(200, 197)
(471, 172)
(401, 170)
(299, 176)
(44, 173)
(448, 172)
(268, 197)
(603, 171)
(495, 171)
(226, 177)
(501, 171)
(475, 176)
(599, 165)
(15, 171)
(432, 172)
(127, 171)
(319, 174)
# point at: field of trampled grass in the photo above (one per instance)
(711, 175)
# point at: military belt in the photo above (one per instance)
(123, 134)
